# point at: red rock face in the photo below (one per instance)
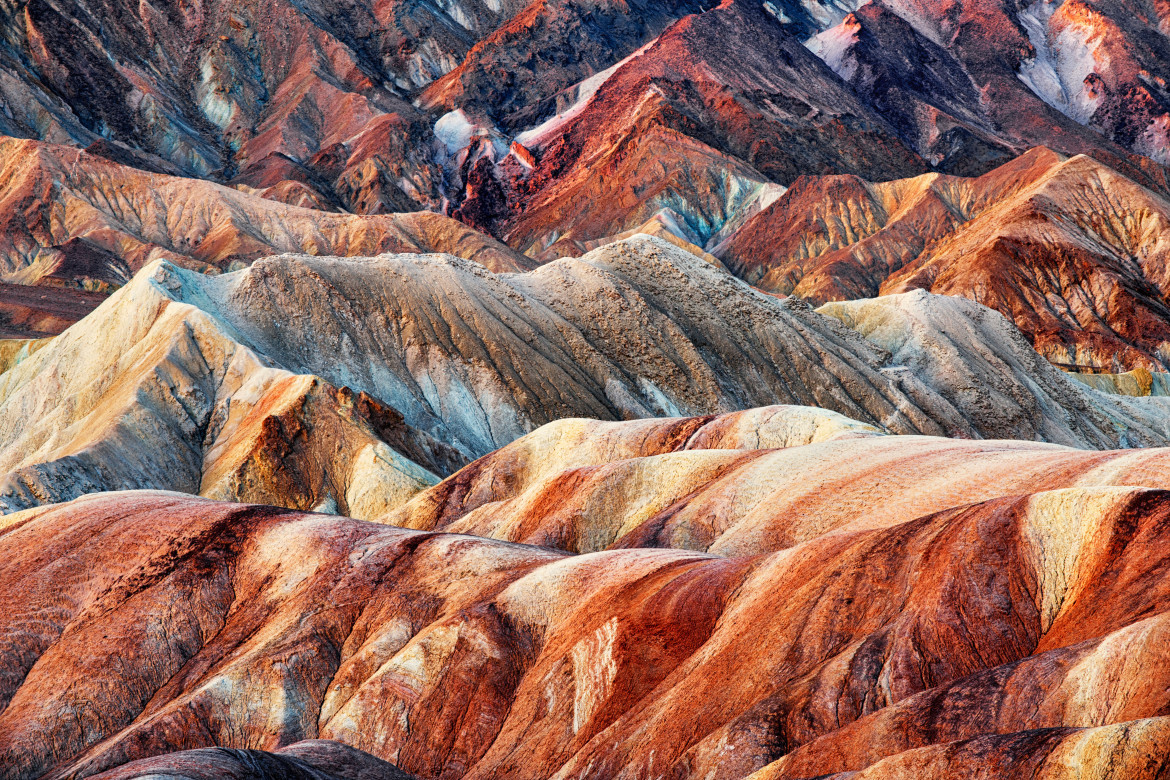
(720, 103)
(1070, 249)
(931, 644)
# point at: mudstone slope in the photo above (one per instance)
(1018, 635)
(1068, 248)
(409, 390)
(347, 384)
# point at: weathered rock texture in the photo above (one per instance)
(1018, 634)
(397, 106)
(744, 93)
(151, 392)
(975, 81)
(698, 121)
(344, 383)
(742, 483)
(68, 218)
(309, 97)
(1072, 251)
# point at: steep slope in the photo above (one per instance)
(334, 104)
(453, 656)
(312, 381)
(69, 218)
(985, 365)
(147, 392)
(697, 121)
(970, 83)
(1081, 266)
(513, 74)
(742, 483)
(308, 92)
(1072, 251)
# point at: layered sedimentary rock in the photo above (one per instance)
(742, 483)
(1023, 631)
(698, 121)
(150, 392)
(68, 218)
(540, 53)
(638, 328)
(311, 95)
(1072, 251)
(341, 106)
(973, 83)
(341, 383)
(966, 88)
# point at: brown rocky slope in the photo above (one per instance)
(1068, 248)
(68, 218)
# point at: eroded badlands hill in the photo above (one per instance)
(1024, 635)
(697, 121)
(348, 384)
(1072, 251)
(406, 105)
(69, 218)
(310, 96)
(742, 483)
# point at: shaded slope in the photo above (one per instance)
(516, 71)
(44, 311)
(971, 83)
(244, 89)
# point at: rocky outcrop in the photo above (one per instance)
(634, 329)
(150, 392)
(337, 105)
(1021, 631)
(526, 66)
(68, 218)
(974, 83)
(698, 121)
(1072, 251)
(311, 96)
